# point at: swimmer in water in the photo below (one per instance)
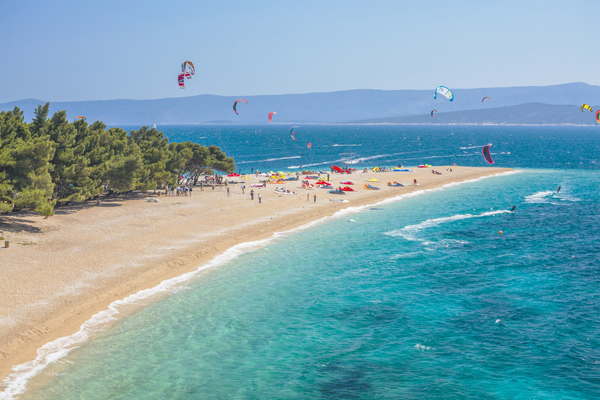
(558, 190)
(513, 209)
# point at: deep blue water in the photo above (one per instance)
(422, 298)
(269, 147)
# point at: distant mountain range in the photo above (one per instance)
(509, 105)
(523, 114)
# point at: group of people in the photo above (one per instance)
(179, 191)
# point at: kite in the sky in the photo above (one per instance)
(235, 105)
(271, 116)
(586, 107)
(181, 77)
(432, 111)
(293, 134)
(444, 91)
(189, 64)
(485, 98)
(79, 117)
(309, 145)
(598, 116)
(486, 154)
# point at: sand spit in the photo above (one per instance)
(61, 271)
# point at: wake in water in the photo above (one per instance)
(549, 197)
(410, 232)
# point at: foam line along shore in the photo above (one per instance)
(85, 260)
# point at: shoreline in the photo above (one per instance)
(220, 238)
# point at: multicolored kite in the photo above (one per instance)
(432, 111)
(181, 77)
(444, 91)
(293, 134)
(586, 107)
(271, 116)
(235, 105)
(485, 98)
(486, 154)
(189, 64)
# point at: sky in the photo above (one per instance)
(101, 50)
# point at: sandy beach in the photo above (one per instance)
(59, 272)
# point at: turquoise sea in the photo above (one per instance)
(420, 298)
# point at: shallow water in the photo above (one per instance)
(422, 298)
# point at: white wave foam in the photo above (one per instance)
(540, 197)
(422, 347)
(410, 232)
(405, 255)
(472, 147)
(268, 160)
(549, 197)
(346, 145)
(20, 375)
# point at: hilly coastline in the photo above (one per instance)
(362, 106)
(523, 114)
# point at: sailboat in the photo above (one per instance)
(154, 126)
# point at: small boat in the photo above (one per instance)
(154, 126)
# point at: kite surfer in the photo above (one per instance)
(513, 209)
(558, 190)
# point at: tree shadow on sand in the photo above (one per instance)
(23, 221)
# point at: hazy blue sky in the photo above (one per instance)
(89, 50)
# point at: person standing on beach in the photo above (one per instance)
(252, 170)
(243, 187)
(307, 197)
(228, 195)
(251, 194)
(315, 197)
(259, 199)
(201, 185)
